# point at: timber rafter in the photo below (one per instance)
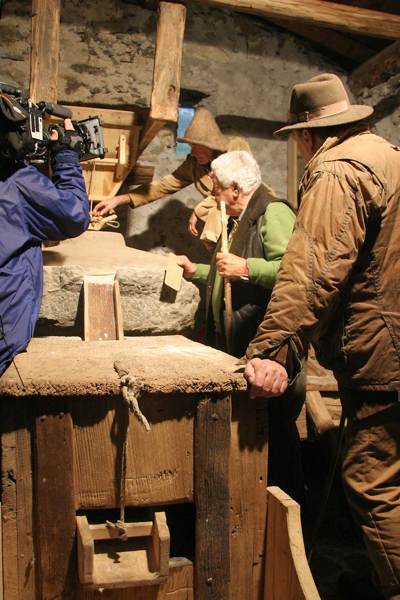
(323, 14)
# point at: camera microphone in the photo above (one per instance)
(55, 109)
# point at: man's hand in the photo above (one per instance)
(192, 229)
(106, 206)
(230, 265)
(188, 267)
(67, 126)
(266, 377)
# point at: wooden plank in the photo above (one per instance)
(45, 50)
(324, 14)
(292, 171)
(179, 586)
(248, 476)
(17, 538)
(211, 490)
(55, 504)
(336, 42)
(141, 174)
(9, 513)
(102, 308)
(287, 575)
(377, 70)
(159, 462)
(318, 412)
(167, 62)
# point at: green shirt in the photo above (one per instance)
(276, 229)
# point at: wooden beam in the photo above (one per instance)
(323, 14)
(167, 62)
(45, 49)
(334, 41)
(377, 70)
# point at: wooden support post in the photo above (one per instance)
(211, 492)
(45, 49)
(292, 172)
(167, 62)
(55, 503)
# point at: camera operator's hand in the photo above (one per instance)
(106, 206)
(68, 126)
(68, 138)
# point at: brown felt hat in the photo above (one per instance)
(322, 101)
(204, 131)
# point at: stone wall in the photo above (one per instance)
(238, 66)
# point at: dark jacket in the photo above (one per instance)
(33, 209)
(338, 286)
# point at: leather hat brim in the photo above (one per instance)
(356, 112)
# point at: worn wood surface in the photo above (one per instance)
(377, 69)
(211, 490)
(179, 586)
(287, 574)
(17, 518)
(159, 466)
(248, 476)
(292, 171)
(45, 50)
(167, 62)
(102, 308)
(324, 14)
(55, 508)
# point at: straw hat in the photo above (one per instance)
(204, 131)
(322, 101)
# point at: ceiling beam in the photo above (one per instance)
(376, 70)
(334, 41)
(323, 14)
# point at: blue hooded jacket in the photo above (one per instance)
(33, 209)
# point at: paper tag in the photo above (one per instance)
(173, 274)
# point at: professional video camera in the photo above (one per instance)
(23, 135)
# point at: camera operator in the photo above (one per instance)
(33, 209)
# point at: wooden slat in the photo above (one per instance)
(292, 171)
(159, 462)
(45, 49)
(248, 476)
(55, 504)
(211, 490)
(378, 69)
(179, 586)
(102, 308)
(19, 575)
(323, 14)
(167, 62)
(288, 575)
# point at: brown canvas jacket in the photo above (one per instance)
(339, 282)
(190, 171)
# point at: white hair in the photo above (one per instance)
(238, 168)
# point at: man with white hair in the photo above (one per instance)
(260, 226)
